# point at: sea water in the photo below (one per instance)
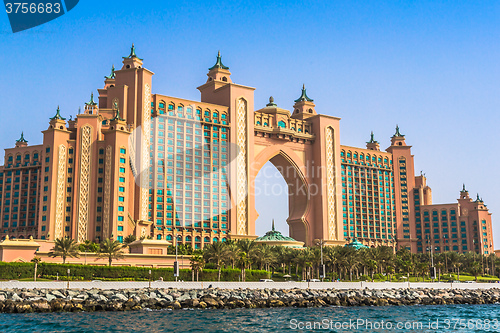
(441, 318)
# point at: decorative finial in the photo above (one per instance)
(463, 188)
(132, 53)
(112, 75)
(397, 132)
(58, 115)
(79, 110)
(303, 97)
(477, 199)
(91, 102)
(271, 102)
(218, 63)
(22, 139)
(273, 226)
(117, 115)
(372, 140)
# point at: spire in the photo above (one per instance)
(132, 53)
(372, 140)
(112, 75)
(303, 97)
(79, 110)
(117, 116)
(271, 102)
(22, 139)
(397, 132)
(463, 188)
(91, 102)
(273, 226)
(477, 198)
(218, 63)
(58, 115)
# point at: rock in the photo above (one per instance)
(57, 294)
(209, 301)
(276, 303)
(120, 297)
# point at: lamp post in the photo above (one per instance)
(69, 271)
(149, 279)
(433, 269)
(176, 263)
(320, 242)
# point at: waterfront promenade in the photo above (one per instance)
(240, 285)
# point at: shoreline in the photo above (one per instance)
(90, 300)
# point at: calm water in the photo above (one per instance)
(455, 318)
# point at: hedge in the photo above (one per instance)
(16, 271)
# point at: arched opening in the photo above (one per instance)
(281, 190)
(271, 200)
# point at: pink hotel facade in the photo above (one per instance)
(190, 173)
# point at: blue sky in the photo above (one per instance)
(430, 66)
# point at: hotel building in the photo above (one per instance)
(157, 166)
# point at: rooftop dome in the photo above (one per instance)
(275, 237)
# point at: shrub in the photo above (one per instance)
(16, 271)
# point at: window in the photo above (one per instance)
(120, 228)
(123, 151)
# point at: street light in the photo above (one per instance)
(149, 279)
(69, 271)
(176, 263)
(433, 269)
(320, 242)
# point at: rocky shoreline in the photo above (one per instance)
(70, 300)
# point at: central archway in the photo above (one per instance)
(292, 169)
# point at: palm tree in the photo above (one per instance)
(372, 266)
(263, 255)
(64, 247)
(127, 240)
(422, 269)
(304, 260)
(390, 270)
(197, 264)
(475, 269)
(111, 249)
(36, 261)
(332, 258)
(243, 262)
(349, 259)
(233, 251)
(217, 253)
(246, 246)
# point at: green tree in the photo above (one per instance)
(372, 266)
(36, 261)
(475, 269)
(243, 262)
(64, 247)
(111, 249)
(197, 264)
(128, 240)
(216, 253)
